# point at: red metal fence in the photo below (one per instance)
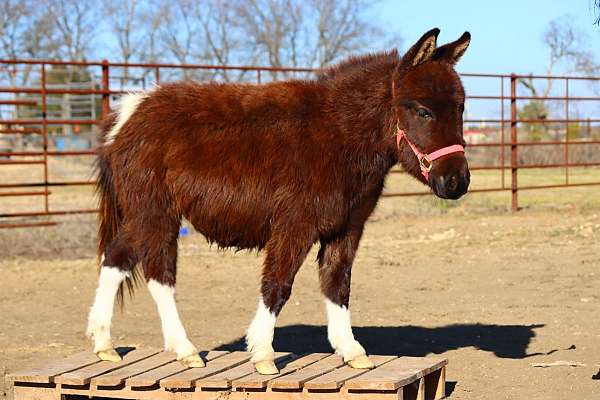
(31, 111)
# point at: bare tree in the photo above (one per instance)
(597, 11)
(273, 27)
(312, 33)
(341, 29)
(180, 30)
(222, 37)
(133, 24)
(566, 45)
(123, 16)
(75, 22)
(25, 32)
(203, 32)
(567, 48)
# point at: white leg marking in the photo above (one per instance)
(100, 316)
(339, 332)
(259, 338)
(173, 331)
(125, 110)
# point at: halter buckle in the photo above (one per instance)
(425, 163)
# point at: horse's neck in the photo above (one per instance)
(360, 107)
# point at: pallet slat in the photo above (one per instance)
(187, 378)
(84, 375)
(47, 372)
(153, 377)
(258, 381)
(394, 374)
(223, 379)
(336, 378)
(296, 379)
(119, 376)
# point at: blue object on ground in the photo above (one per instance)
(60, 143)
(183, 231)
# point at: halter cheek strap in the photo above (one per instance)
(426, 160)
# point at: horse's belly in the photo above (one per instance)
(239, 220)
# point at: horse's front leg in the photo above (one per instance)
(335, 266)
(285, 253)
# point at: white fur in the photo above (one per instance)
(100, 316)
(259, 337)
(339, 332)
(125, 110)
(173, 331)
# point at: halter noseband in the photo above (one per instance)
(426, 160)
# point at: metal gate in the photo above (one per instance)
(49, 111)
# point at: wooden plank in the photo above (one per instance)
(84, 375)
(396, 373)
(425, 365)
(187, 378)
(296, 379)
(119, 376)
(440, 389)
(258, 381)
(435, 384)
(162, 394)
(336, 378)
(152, 377)
(46, 372)
(34, 393)
(223, 379)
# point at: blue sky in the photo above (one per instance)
(506, 34)
(506, 38)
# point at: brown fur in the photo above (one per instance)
(278, 166)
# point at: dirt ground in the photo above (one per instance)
(494, 292)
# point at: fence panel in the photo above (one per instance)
(50, 110)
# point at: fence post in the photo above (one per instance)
(567, 123)
(45, 133)
(513, 143)
(105, 89)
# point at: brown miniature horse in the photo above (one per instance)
(277, 167)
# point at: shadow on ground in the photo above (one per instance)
(505, 341)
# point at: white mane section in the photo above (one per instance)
(124, 110)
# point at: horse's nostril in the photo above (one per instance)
(453, 182)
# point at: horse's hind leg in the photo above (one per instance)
(285, 254)
(160, 266)
(117, 266)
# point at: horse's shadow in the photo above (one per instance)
(505, 341)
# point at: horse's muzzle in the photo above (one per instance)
(452, 185)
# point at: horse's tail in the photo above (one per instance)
(110, 215)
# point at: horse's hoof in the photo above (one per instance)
(266, 367)
(193, 361)
(361, 362)
(109, 355)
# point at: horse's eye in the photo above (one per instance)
(423, 113)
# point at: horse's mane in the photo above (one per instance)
(358, 63)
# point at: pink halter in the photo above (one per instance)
(426, 160)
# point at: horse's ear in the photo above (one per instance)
(452, 52)
(422, 50)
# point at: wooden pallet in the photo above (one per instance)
(146, 374)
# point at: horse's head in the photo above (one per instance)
(428, 98)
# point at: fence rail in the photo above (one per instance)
(17, 96)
